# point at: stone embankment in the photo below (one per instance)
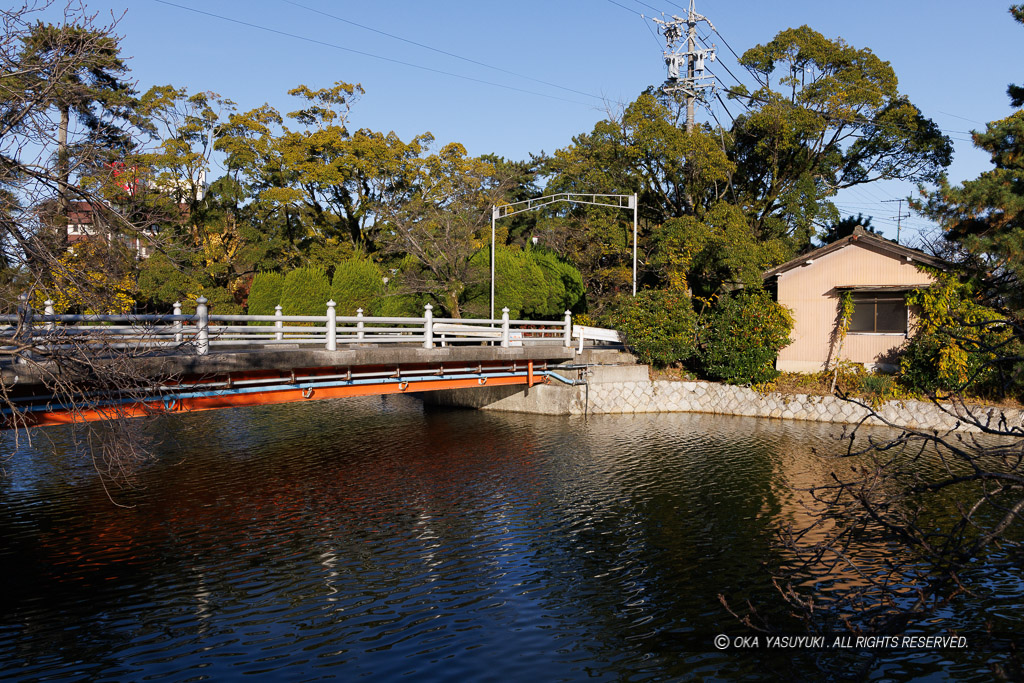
(628, 389)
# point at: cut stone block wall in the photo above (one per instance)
(626, 389)
(708, 397)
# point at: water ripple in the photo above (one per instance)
(366, 537)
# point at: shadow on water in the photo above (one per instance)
(368, 536)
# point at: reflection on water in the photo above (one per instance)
(366, 536)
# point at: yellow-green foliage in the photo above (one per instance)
(80, 284)
(306, 291)
(265, 294)
(958, 344)
(741, 335)
(357, 283)
(718, 246)
(846, 307)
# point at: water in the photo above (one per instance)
(370, 538)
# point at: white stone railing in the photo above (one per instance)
(202, 330)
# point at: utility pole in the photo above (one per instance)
(694, 83)
(899, 216)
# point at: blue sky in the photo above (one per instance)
(954, 60)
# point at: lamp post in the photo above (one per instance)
(615, 201)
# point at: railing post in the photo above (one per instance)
(177, 326)
(428, 327)
(360, 330)
(332, 326)
(568, 329)
(504, 327)
(203, 327)
(25, 322)
(279, 323)
(50, 325)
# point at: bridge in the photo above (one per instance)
(138, 365)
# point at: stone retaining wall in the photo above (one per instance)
(626, 388)
(707, 397)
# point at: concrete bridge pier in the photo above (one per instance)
(553, 398)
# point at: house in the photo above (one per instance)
(83, 224)
(877, 272)
(84, 218)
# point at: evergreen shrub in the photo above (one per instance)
(306, 291)
(265, 294)
(741, 336)
(534, 284)
(660, 325)
(357, 283)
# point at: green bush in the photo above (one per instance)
(563, 285)
(306, 291)
(533, 284)
(659, 325)
(958, 344)
(221, 301)
(265, 293)
(399, 306)
(741, 336)
(358, 283)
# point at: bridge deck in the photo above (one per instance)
(258, 377)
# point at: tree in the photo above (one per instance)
(714, 252)
(443, 223)
(77, 70)
(833, 119)
(320, 181)
(677, 174)
(207, 245)
(985, 216)
(51, 75)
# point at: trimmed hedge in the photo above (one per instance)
(358, 283)
(265, 293)
(306, 291)
(564, 285)
(533, 284)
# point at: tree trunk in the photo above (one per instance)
(452, 304)
(60, 228)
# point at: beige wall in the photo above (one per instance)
(809, 292)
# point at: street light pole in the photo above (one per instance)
(634, 203)
(494, 218)
(621, 201)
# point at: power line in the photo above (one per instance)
(738, 60)
(964, 118)
(851, 120)
(648, 6)
(651, 30)
(439, 50)
(366, 54)
(722, 102)
(628, 9)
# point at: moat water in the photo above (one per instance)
(371, 538)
